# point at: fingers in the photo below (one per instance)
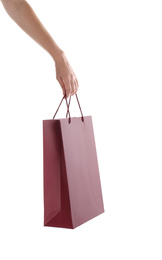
(62, 85)
(75, 89)
(74, 84)
(69, 85)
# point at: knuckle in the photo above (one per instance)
(72, 77)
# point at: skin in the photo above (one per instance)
(24, 16)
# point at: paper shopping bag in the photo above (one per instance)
(72, 188)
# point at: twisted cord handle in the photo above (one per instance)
(68, 112)
(68, 105)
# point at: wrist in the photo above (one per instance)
(57, 54)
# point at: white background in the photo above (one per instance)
(115, 49)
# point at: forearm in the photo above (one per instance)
(22, 13)
(24, 16)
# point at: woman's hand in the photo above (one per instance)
(65, 75)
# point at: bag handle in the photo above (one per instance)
(82, 118)
(68, 112)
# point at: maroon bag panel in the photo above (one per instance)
(51, 169)
(82, 169)
(56, 197)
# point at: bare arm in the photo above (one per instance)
(24, 16)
